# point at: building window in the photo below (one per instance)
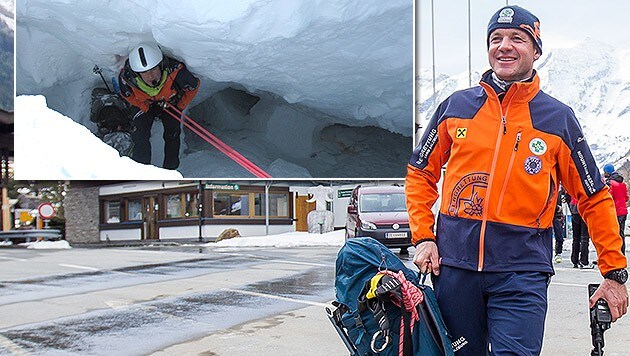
(174, 206)
(230, 204)
(134, 210)
(192, 204)
(112, 211)
(182, 205)
(278, 204)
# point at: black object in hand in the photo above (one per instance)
(600, 321)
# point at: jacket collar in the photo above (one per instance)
(517, 92)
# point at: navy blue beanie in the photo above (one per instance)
(513, 16)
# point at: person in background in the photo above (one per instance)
(559, 225)
(619, 192)
(579, 247)
(506, 145)
(147, 81)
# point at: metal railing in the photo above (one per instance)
(32, 234)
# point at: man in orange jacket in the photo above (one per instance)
(148, 80)
(506, 146)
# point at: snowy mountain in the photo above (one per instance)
(7, 13)
(282, 80)
(593, 78)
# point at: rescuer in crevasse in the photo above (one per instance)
(147, 81)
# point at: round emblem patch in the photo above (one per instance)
(506, 16)
(395, 226)
(538, 146)
(533, 165)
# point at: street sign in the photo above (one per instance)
(46, 210)
(344, 193)
(226, 186)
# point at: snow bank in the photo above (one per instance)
(48, 245)
(43, 150)
(289, 239)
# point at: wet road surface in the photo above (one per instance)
(143, 308)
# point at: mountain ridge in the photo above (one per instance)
(591, 78)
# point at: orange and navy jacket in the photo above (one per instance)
(180, 86)
(505, 162)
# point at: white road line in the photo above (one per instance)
(13, 259)
(79, 267)
(140, 251)
(573, 284)
(271, 296)
(568, 284)
(13, 348)
(301, 263)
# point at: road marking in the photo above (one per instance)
(301, 263)
(568, 284)
(13, 348)
(140, 251)
(573, 285)
(118, 303)
(13, 259)
(271, 296)
(79, 267)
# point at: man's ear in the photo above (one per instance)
(536, 54)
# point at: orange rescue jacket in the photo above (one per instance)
(505, 162)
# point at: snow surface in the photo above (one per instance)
(48, 245)
(312, 65)
(593, 78)
(44, 152)
(289, 239)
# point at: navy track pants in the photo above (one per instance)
(493, 313)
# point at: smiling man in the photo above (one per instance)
(508, 146)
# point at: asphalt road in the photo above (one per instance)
(137, 301)
(192, 301)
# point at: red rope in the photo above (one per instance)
(214, 141)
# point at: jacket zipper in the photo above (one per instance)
(552, 188)
(486, 204)
(509, 170)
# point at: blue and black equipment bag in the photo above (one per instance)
(374, 292)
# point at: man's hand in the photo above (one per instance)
(615, 294)
(427, 257)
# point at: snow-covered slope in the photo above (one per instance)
(593, 78)
(323, 62)
(48, 155)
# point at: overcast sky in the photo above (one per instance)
(564, 24)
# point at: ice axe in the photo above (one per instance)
(99, 71)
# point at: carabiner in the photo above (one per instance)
(375, 337)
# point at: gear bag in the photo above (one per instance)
(382, 308)
(113, 119)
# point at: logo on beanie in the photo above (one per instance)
(506, 16)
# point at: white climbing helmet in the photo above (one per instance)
(144, 57)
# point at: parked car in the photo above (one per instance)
(381, 213)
